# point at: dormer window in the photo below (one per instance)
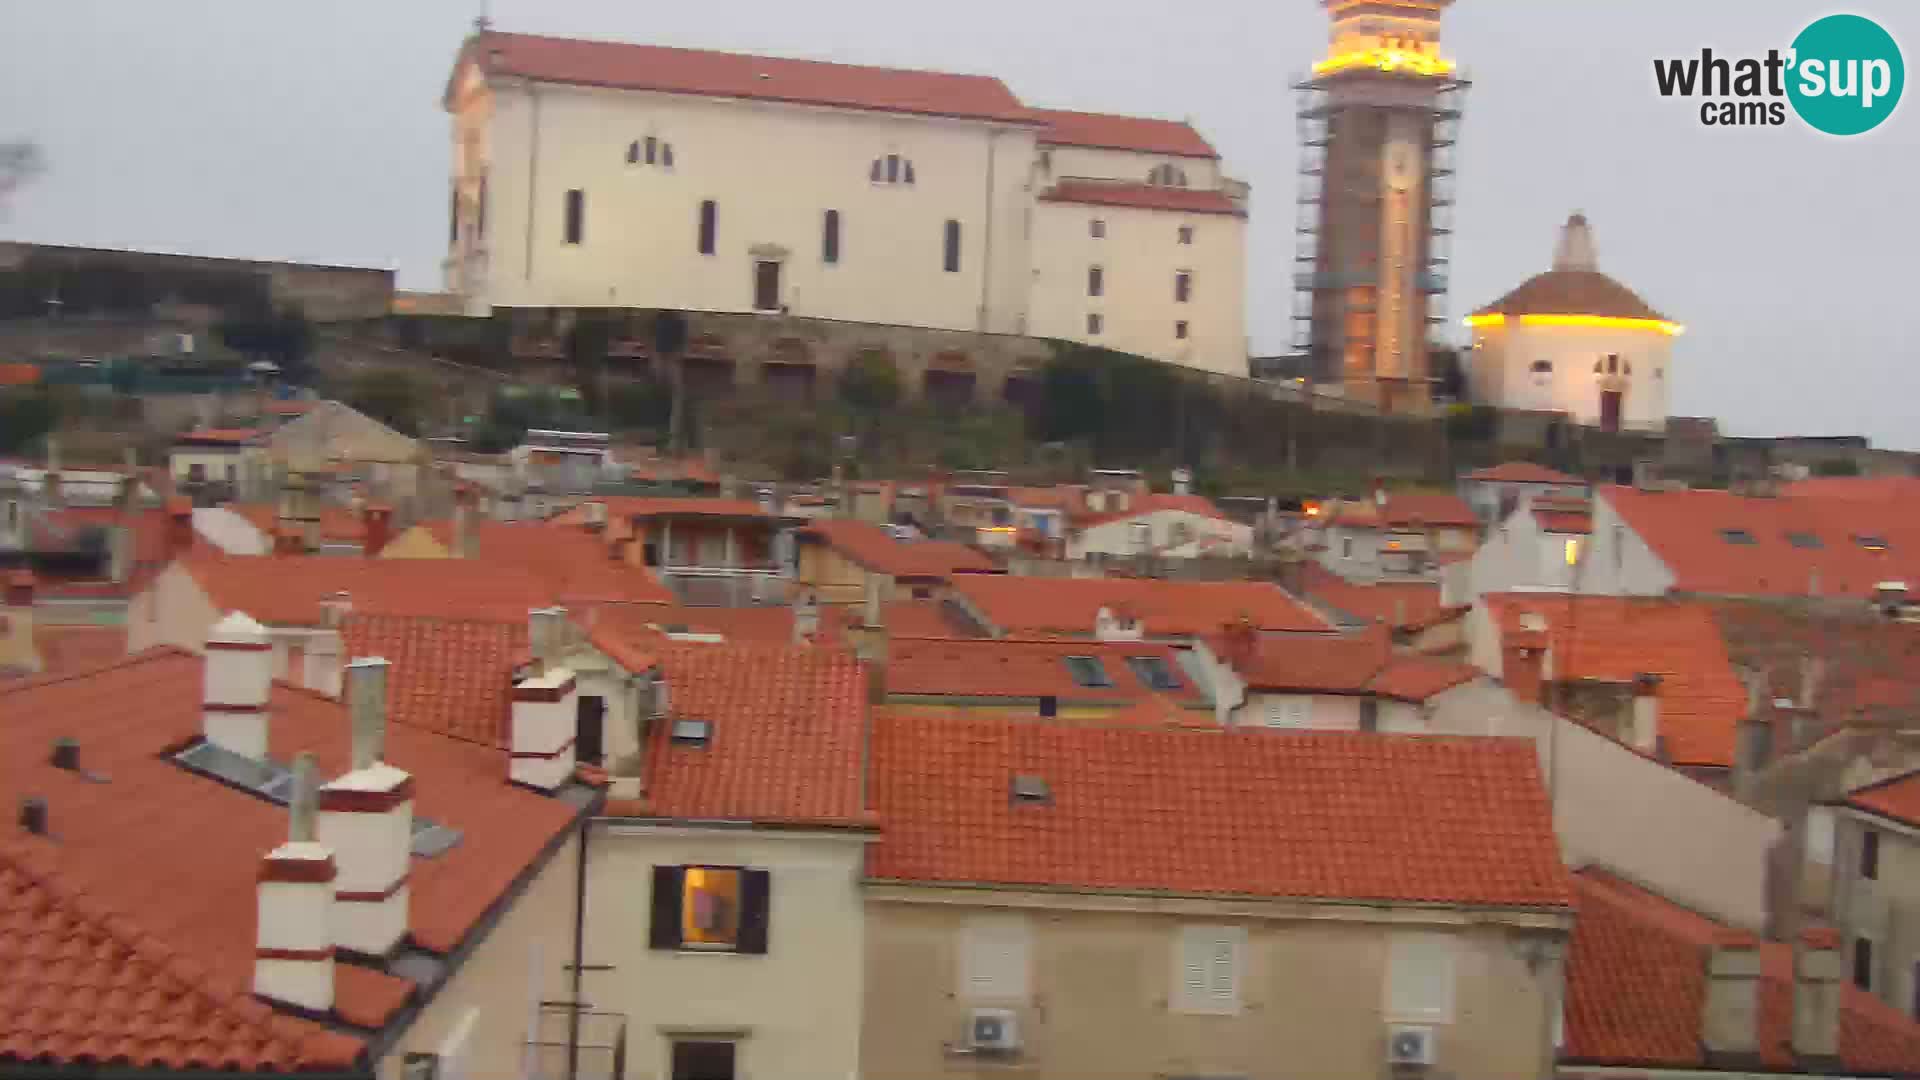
(892, 169)
(651, 150)
(1167, 176)
(1088, 671)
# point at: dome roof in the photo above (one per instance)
(1573, 292)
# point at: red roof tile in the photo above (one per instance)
(1032, 606)
(575, 563)
(1572, 292)
(286, 590)
(1406, 605)
(219, 437)
(785, 744)
(876, 550)
(1143, 197)
(1613, 639)
(1563, 521)
(734, 75)
(1636, 987)
(1875, 489)
(198, 903)
(1405, 509)
(642, 506)
(1522, 472)
(452, 676)
(1417, 678)
(1153, 502)
(1105, 131)
(1311, 815)
(998, 667)
(1685, 529)
(771, 624)
(19, 374)
(338, 524)
(1897, 798)
(1868, 667)
(65, 649)
(86, 985)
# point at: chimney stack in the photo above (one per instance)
(51, 486)
(1817, 975)
(1730, 1018)
(1183, 481)
(806, 618)
(20, 585)
(870, 644)
(1646, 712)
(366, 819)
(293, 938)
(378, 523)
(179, 526)
(335, 608)
(239, 674)
(464, 542)
(1522, 670)
(542, 724)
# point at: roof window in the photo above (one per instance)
(1737, 536)
(1804, 540)
(1871, 541)
(1028, 788)
(1088, 671)
(1153, 672)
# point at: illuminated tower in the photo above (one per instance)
(1378, 121)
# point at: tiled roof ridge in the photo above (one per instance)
(120, 928)
(156, 652)
(747, 55)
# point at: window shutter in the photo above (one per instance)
(669, 883)
(1420, 978)
(1193, 968)
(1223, 979)
(1209, 960)
(993, 959)
(756, 899)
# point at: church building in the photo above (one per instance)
(1575, 341)
(603, 174)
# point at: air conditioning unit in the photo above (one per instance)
(1409, 1044)
(993, 1031)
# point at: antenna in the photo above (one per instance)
(483, 22)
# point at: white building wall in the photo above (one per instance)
(796, 1010)
(229, 532)
(1321, 712)
(1117, 537)
(1090, 163)
(773, 170)
(1139, 257)
(1620, 563)
(1501, 371)
(1354, 554)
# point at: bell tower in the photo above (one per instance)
(1378, 125)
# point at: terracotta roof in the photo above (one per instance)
(1105, 131)
(1405, 509)
(149, 549)
(1150, 503)
(875, 549)
(1406, 605)
(1613, 639)
(286, 590)
(1572, 292)
(452, 676)
(785, 742)
(1353, 664)
(1069, 606)
(1862, 488)
(695, 470)
(219, 436)
(575, 563)
(1522, 472)
(1555, 520)
(1418, 678)
(642, 506)
(86, 986)
(770, 624)
(196, 907)
(734, 75)
(19, 374)
(1897, 798)
(1636, 986)
(1312, 815)
(65, 649)
(1687, 531)
(999, 667)
(290, 408)
(339, 524)
(1143, 197)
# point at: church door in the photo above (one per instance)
(1610, 410)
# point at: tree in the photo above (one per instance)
(25, 416)
(391, 396)
(20, 161)
(871, 382)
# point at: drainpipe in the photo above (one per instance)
(986, 243)
(533, 172)
(579, 949)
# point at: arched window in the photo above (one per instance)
(1167, 176)
(891, 169)
(651, 150)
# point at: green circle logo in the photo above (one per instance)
(1847, 75)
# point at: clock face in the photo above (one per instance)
(1402, 162)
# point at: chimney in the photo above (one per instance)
(1240, 643)
(335, 608)
(179, 526)
(543, 723)
(1813, 671)
(19, 594)
(1817, 976)
(1730, 1017)
(596, 516)
(293, 937)
(806, 618)
(463, 528)
(322, 673)
(1183, 481)
(366, 819)
(1522, 670)
(1646, 712)
(870, 644)
(51, 485)
(378, 521)
(120, 540)
(239, 674)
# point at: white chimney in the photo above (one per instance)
(1182, 481)
(366, 818)
(543, 727)
(293, 937)
(1646, 713)
(1817, 975)
(322, 672)
(1730, 1021)
(806, 618)
(335, 608)
(239, 674)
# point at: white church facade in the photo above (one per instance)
(1575, 341)
(602, 174)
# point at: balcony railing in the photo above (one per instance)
(572, 1042)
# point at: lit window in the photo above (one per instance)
(1186, 234)
(1871, 542)
(1573, 551)
(710, 908)
(1094, 324)
(1736, 536)
(1088, 671)
(1097, 228)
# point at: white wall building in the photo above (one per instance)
(1575, 341)
(600, 174)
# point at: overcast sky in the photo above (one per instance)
(312, 131)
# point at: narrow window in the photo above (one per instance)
(952, 260)
(1180, 329)
(576, 215)
(480, 210)
(1182, 287)
(453, 217)
(907, 171)
(633, 152)
(1094, 324)
(1369, 714)
(830, 237)
(653, 150)
(666, 155)
(1186, 234)
(1870, 855)
(874, 174)
(1863, 963)
(1096, 281)
(1097, 228)
(893, 168)
(1613, 363)
(709, 226)
(703, 1060)
(1542, 367)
